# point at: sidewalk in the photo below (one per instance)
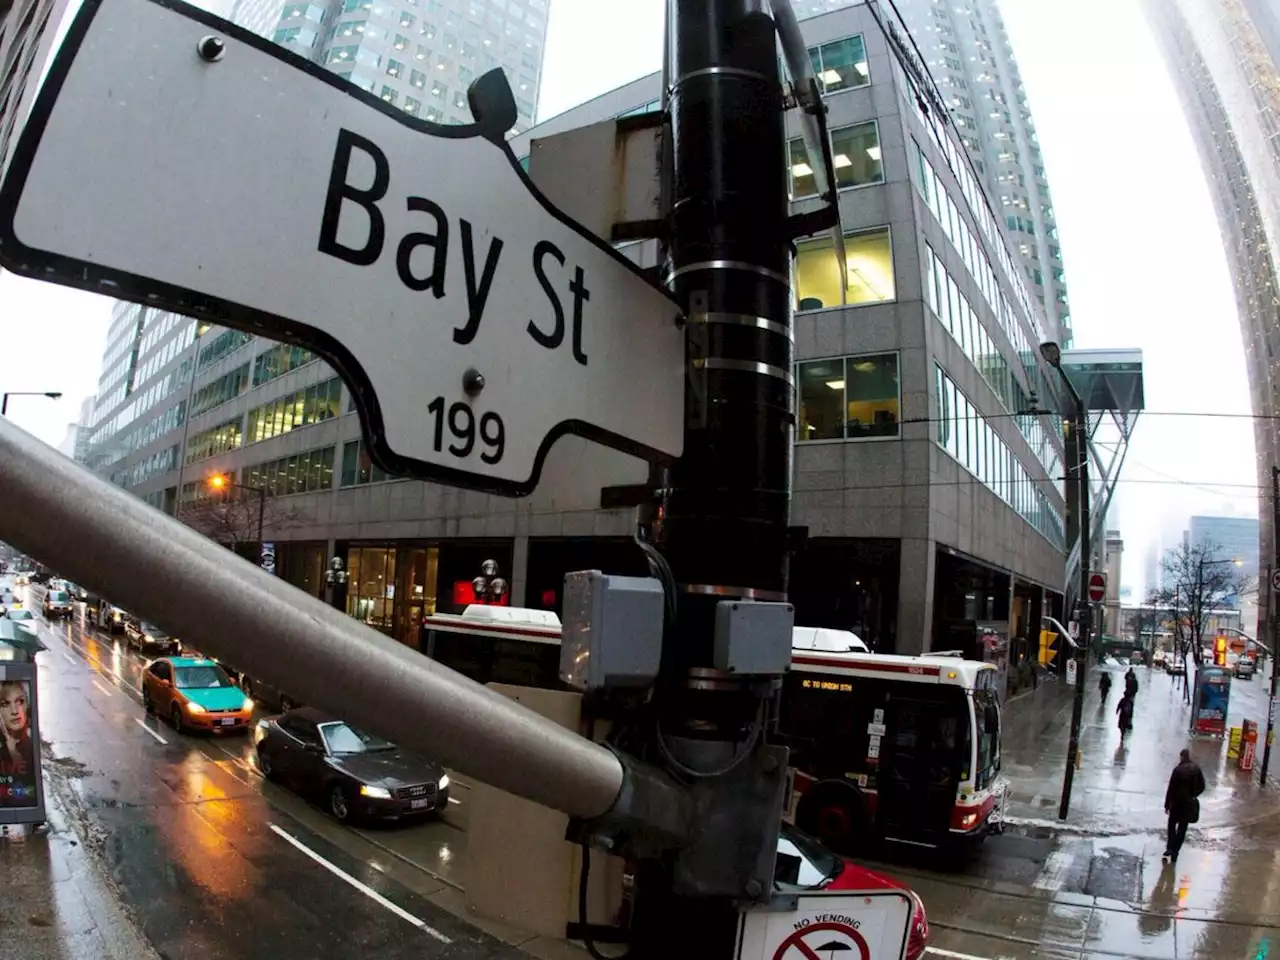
(56, 903)
(1120, 789)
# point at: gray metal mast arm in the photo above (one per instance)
(105, 538)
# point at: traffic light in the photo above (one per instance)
(1220, 651)
(1048, 646)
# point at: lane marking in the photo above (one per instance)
(101, 687)
(1053, 873)
(139, 722)
(67, 657)
(454, 800)
(363, 888)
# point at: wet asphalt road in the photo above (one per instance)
(212, 861)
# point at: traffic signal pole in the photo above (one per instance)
(728, 500)
(1275, 627)
(1078, 428)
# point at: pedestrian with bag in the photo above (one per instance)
(1182, 803)
(1131, 684)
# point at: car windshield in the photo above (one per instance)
(57, 596)
(803, 861)
(202, 677)
(343, 738)
(152, 630)
(20, 615)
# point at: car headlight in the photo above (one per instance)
(377, 793)
(260, 731)
(194, 707)
(444, 782)
(247, 706)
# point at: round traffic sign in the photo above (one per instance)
(1275, 581)
(1097, 587)
(830, 937)
(1238, 645)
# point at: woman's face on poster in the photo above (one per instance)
(13, 708)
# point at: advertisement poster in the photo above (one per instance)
(21, 789)
(1213, 693)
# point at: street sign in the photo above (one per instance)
(238, 182)
(1097, 587)
(858, 925)
(1275, 580)
(1238, 645)
(1072, 667)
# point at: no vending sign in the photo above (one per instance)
(870, 925)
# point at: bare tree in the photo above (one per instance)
(231, 519)
(1198, 579)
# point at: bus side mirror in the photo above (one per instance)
(991, 720)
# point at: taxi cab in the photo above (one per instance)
(195, 694)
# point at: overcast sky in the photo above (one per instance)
(1144, 261)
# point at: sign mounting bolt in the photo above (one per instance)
(473, 382)
(211, 48)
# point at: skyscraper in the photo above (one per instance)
(27, 30)
(969, 54)
(1222, 57)
(419, 55)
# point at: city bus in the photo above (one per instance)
(898, 748)
(893, 748)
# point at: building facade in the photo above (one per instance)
(1233, 538)
(969, 54)
(1222, 58)
(27, 30)
(932, 498)
(418, 55)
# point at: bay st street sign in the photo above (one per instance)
(177, 161)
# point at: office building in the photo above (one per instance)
(1233, 539)
(27, 29)
(421, 55)
(260, 16)
(967, 50)
(1222, 59)
(934, 502)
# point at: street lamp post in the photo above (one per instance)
(220, 482)
(4, 404)
(1052, 354)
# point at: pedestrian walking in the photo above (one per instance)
(1125, 710)
(1131, 684)
(1104, 685)
(1181, 802)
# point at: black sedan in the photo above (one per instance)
(355, 774)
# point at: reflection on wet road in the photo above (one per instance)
(213, 861)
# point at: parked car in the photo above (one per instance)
(267, 694)
(149, 639)
(57, 604)
(1176, 666)
(1246, 667)
(803, 863)
(356, 775)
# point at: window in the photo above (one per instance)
(412, 106)
(389, 94)
(802, 181)
(868, 261)
(417, 79)
(401, 42)
(821, 393)
(840, 65)
(221, 345)
(219, 391)
(358, 467)
(278, 361)
(314, 404)
(300, 473)
(215, 440)
(853, 398)
(394, 69)
(856, 154)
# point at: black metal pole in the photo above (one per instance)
(728, 500)
(262, 509)
(4, 407)
(1086, 611)
(1275, 633)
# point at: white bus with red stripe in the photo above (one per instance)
(492, 644)
(901, 749)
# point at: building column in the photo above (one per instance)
(519, 570)
(916, 567)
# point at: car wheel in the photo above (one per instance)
(339, 805)
(265, 766)
(147, 703)
(176, 716)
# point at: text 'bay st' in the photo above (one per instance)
(473, 321)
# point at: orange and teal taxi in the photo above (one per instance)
(195, 694)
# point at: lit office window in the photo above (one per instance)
(869, 266)
(851, 398)
(856, 154)
(840, 65)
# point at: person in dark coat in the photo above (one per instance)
(1104, 684)
(1125, 710)
(1131, 683)
(1181, 802)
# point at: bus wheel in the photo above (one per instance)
(837, 815)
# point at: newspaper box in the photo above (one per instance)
(1248, 745)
